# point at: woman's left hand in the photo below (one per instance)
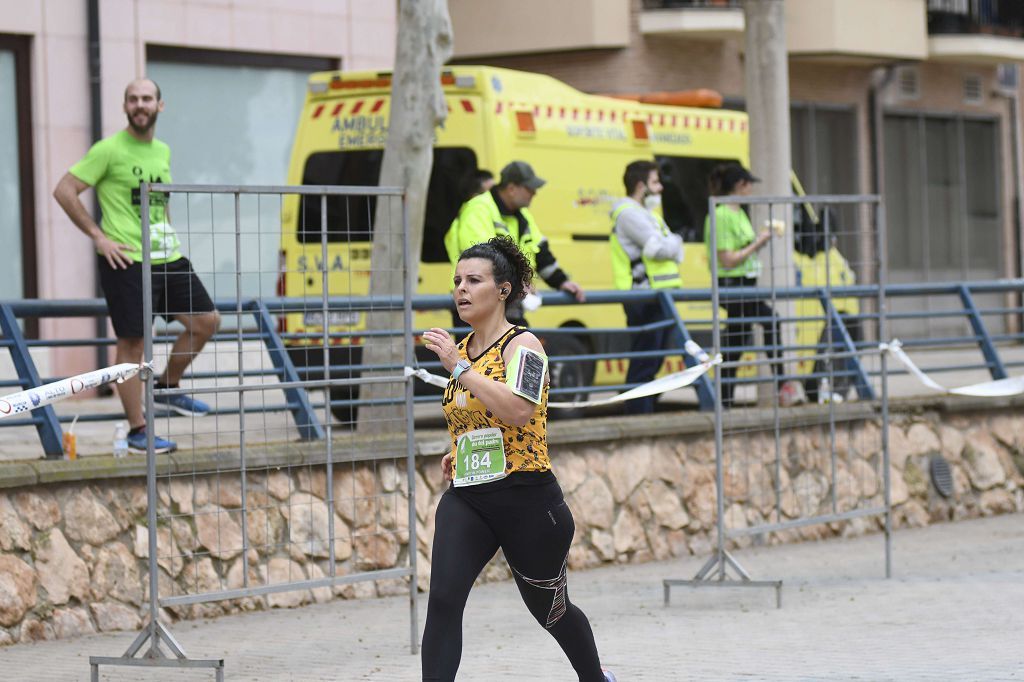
(439, 341)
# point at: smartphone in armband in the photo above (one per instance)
(526, 373)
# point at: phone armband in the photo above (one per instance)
(526, 373)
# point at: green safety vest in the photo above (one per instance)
(479, 219)
(661, 274)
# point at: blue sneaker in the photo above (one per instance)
(608, 676)
(137, 443)
(182, 404)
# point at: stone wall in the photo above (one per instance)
(72, 553)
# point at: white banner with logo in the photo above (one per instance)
(24, 401)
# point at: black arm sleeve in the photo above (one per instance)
(548, 268)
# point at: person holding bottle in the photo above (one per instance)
(739, 266)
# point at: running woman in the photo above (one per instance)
(503, 493)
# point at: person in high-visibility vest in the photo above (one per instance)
(737, 245)
(504, 210)
(645, 255)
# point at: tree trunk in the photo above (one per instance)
(767, 93)
(766, 71)
(417, 109)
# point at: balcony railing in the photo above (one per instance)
(992, 17)
(689, 4)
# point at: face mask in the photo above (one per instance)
(652, 202)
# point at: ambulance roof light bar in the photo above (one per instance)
(701, 97)
(382, 79)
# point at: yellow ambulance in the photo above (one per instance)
(579, 143)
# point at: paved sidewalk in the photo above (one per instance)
(953, 611)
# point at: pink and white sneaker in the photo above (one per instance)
(791, 393)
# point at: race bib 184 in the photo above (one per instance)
(479, 457)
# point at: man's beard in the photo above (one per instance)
(142, 130)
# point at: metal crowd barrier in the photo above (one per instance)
(266, 527)
(790, 474)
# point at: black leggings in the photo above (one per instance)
(534, 528)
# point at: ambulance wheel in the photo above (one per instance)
(568, 374)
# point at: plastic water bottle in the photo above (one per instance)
(120, 439)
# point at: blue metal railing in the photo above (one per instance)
(304, 411)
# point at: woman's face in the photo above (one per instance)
(476, 294)
(743, 188)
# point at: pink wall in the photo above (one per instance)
(359, 32)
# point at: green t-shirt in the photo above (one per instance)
(734, 232)
(116, 166)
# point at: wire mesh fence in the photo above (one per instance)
(804, 357)
(260, 509)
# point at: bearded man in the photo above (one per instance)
(116, 167)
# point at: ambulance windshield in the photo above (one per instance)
(684, 200)
(350, 218)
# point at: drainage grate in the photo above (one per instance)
(942, 475)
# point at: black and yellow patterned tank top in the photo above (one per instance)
(526, 447)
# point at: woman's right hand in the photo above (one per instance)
(439, 341)
(446, 467)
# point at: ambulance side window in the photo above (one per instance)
(453, 167)
(684, 200)
(349, 218)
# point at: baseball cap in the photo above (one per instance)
(520, 173)
(736, 172)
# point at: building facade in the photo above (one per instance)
(915, 99)
(233, 75)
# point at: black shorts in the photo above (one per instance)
(177, 290)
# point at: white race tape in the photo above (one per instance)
(666, 383)
(662, 385)
(426, 377)
(987, 389)
(23, 401)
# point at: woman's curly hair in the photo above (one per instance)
(507, 263)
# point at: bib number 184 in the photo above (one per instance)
(479, 457)
(475, 461)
